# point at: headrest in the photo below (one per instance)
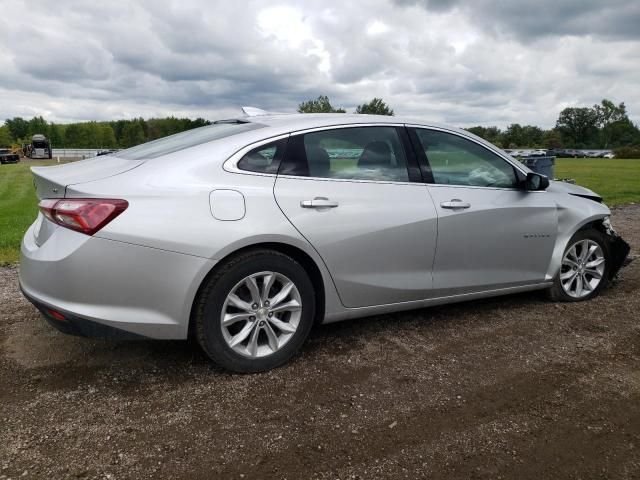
(375, 154)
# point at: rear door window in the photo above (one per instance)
(355, 153)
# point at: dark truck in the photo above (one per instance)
(7, 156)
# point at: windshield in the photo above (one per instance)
(190, 138)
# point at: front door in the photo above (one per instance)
(348, 192)
(491, 232)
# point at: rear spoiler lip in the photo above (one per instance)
(42, 176)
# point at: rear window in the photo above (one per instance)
(190, 138)
(264, 159)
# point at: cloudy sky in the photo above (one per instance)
(490, 62)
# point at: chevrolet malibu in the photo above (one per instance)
(247, 232)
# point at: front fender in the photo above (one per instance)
(574, 213)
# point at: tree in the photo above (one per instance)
(18, 127)
(106, 136)
(607, 114)
(579, 126)
(375, 107)
(73, 136)
(532, 136)
(513, 136)
(5, 137)
(38, 125)
(319, 105)
(56, 135)
(490, 134)
(132, 134)
(552, 139)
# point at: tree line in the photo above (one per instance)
(601, 126)
(112, 134)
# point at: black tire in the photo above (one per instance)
(208, 309)
(557, 293)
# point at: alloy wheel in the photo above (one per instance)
(582, 268)
(261, 314)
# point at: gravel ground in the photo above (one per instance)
(511, 387)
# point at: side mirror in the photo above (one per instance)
(536, 181)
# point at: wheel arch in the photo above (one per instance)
(570, 222)
(299, 255)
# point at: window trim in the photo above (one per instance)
(275, 143)
(231, 164)
(430, 179)
(411, 166)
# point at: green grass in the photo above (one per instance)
(18, 206)
(618, 181)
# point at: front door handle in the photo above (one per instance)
(319, 202)
(455, 204)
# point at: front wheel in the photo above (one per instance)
(255, 312)
(585, 268)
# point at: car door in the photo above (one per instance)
(491, 232)
(349, 192)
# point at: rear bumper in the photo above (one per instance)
(73, 325)
(108, 288)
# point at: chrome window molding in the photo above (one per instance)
(231, 164)
(351, 180)
(345, 125)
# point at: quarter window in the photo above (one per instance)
(265, 158)
(454, 160)
(358, 153)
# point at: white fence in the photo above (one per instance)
(76, 152)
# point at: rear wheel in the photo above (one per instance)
(255, 312)
(584, 271)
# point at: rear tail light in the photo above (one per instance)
(85, 215)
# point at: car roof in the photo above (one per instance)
(303, 121)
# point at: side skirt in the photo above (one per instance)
(351, 313)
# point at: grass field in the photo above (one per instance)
(618, 181)
(18, 206)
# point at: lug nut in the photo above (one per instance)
(271, 314)
(254, 306)
(252, 318)
(266, 304)
(262, 323)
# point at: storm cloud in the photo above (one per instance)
(489, 62)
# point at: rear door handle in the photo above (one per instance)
(455, 204)
(319, 202)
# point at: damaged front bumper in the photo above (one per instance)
(618, 247)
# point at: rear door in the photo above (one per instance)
(491, 232)
(350, 192)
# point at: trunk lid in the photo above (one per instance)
(52, 182)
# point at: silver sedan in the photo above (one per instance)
(246, 232)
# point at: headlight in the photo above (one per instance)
(606, 223)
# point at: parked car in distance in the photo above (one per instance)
(105, 152)
(247, 232)
(7, 156)
(609, 155)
